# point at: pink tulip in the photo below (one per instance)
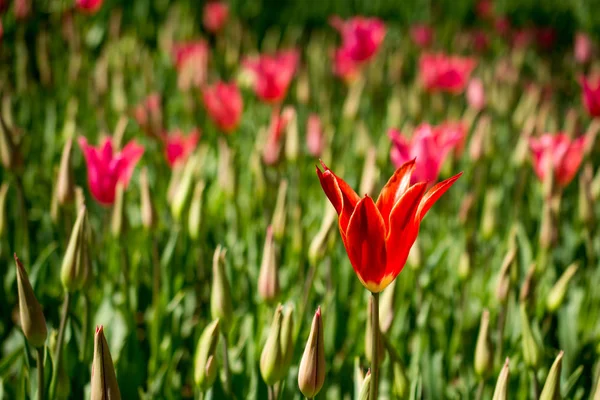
(480, 40)
(148, 114)
(344, 66)
(421, 35)
(277, 128)
(583, 48)
(440, 72)
(224, 104)
(484, 9)
(476, 94)
(272, 74)
(546, 37)
(191, 61)
(22, 9)
(89, 6)
(215, 16)
(314, 135)
(429, 145)
(178, 146)
(558, 154)
(361, 36)
(105, 168)
(522, 38)
(591, 95)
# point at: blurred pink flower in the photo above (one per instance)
(476, 94)
(214, 16)
(480, 40)
(429, 145)
(178, 146)
(344, 66)
(440, 72)
(148, 114)
(272, 74)
(277, 128)
(421, 35)
(502, 26)
(224, 104)
(484, 9)
(558, 154)
(591, 95)
(22, 9)
(1, 31)
(583, 48)
(361, 36)
(3, 6)
(314, 135)
(106, 168)
(89, 6)
(191, 62)
(522, 38)
(545, 37)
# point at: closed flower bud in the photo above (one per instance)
(287, 338)
(118, 212)
(586, 200)
(490, 206)
(205, 371)
(65, 186)
(365, 388)
(504, 277)
(531, 350)
(72, 273)
(551, 390)
(483, 349)
(183, 188)
(195, 216)
(271, 358)
(559, 290)
(303, 87)
(33, 322)
(386, 308)
(280, 212)
(315, 138)
(401, 386)
(147, 208)
(268, 278)
(226, 172)
(311, 373)
(369, 337)
(3, 221)
(9, 153)
(220, 296)
(528, 287)
(318, 245)
(292, 141)
(501, 390)
(104, 380)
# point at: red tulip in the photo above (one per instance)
(502, 26)
(557, 154)
(583, 48)
(591, 95)
(476, 94)
(215, 16)
(315, 139)
(344, 66)
(361, 36)
(378, 235)
(178, 146)
(429, 145)
(105, 168)
(440, 72)
(480, 40)
(522, 38)
(224, 104)
(546, 37)
(277, 128)
(3, 6)
(89, 6)
(421, 35)
(191, 61)
(484, 9)
(272, 74)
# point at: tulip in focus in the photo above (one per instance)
(378, 235)
(591, 95)
(557, 154)
(214, 16)
(476, 94)
(106, 168)
(104, 380)
(191, 62)
(178, 146)
(421, 35)
(88, 6)
(315, 138)
(224, 105)
(583, 48)
(272, 74)
(361, 36)
(440, 72)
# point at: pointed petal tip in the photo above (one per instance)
(318, 312)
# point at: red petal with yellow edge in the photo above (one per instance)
(434, 194)
(393, 189)
(365, 242)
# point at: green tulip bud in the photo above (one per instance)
(531, 351)
(501, 390)
(147, 209)
(268, 278)
(65, 185)
(292, 142)
(118, 212)
(271, 358)
(205, 371)
(401, 386)
(33, 322)
(551, 390)
(183, 187)
(386, 308)
(318, 245)
(72, 273)
(220, 297)
(226, 172)
(464, 266)
(280, 213)
(311, 373)
(195, 215)
(104, 380)
(559, 290)
(287, 338)
(365, 388)
(483, 349)
(3, 221)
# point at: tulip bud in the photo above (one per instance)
(401, 386)
(504, 276)
(475, 94)
(9, 153)
(33, 322)
(501, 390)
(557, 293)
(490, 205)
(65, 186)
(280, 212)
(303, 87)
(104, 380)
(72, 273)
(386, 308)
(531, 351)
(292, 142)
(195, 215)
(226, 172)
(176, 175)
(205, 371)
(182, 191)
(311, 373)
(483, 349)
(366, 387)
(464, 266)
(528, 287)
(369, 337)
(394, 109)
(551, 390)
(287, 339)
(359, 377)
(318, 245)
(147, 208)
(268, 278)
(586, 200)
(477, 145)
(220, 296)
(271, 358)
(350, 107)
(3, 221)
(118, 212)
(315, 138)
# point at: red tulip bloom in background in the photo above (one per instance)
(277, 128)
(522, 38)
(148, 114)
(272, 74)
(214, 16)
(3, 6)
(583, 48)
(546, 37)
(106, 168)
(429, 145)
(344, 66)
(224, 104)
(484, 9)
(591, 95)
(191, 61)
(378, 235)
(557, 154)
(89, 6)
(178, 146)
(421, 35)
(22, 9)
(314, 135)
(440, 72)
(361, 37)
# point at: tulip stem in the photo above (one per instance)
(226, 370)
(86, 326)
(40, 372)
(270, 393)
(536, 384)
(374, 386)
(59, 342)
(480, 389)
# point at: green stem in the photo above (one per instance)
(40, 372)
(85, 329)
(226, 370)
(501, 324)
(536, 385)
(270, 393)
(480, 389)
(374, 386)
(59, 342)
(125, 269)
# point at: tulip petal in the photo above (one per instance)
(340, 194)
(394, 189)
(365, 243)
(130, 155)
(434, 194)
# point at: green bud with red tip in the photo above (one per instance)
(483, 349)
(104, 379)
(501, 389)
(220, 297)
(311, 373)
